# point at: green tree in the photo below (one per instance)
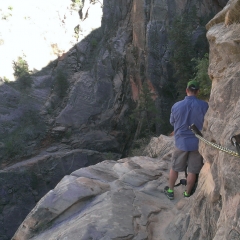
(145, 113)
(62, 84)
(182, 51)
(22, 73)
(201, 76)
(31, 128)
(184, 48)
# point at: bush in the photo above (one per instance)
(13, 145)
(182, 50)
(20, 67)
(77, 4)
(22, 73)
(31, 128)
(94, 42)
(62, 84)
(76, 32)
(145, 113)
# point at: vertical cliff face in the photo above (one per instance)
(213, 213)
(151, 48)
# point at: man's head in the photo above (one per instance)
(192, 88)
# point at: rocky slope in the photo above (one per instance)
(110, 200)
(88, 61)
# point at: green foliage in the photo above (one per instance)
(135, 52)
(109, 156)
(20, 67)
(145, 112)
(76, 32)
(142, 70)
(13, 146)
(22, 73)
(62, 84)
(30, 128)
(68, 133)
(6, 16)
(202, 77)
(184, 49)
(94, 38)
(139, 146)
(6, 80)
(146, 102)
(77, 4)
(94, 42)
(34, 181)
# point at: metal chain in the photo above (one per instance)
(219, 147)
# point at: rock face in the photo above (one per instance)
(22, 185)
(110, 200)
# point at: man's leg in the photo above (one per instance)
(191, 178)
(179, 161)
(173, 176)
(195, 163)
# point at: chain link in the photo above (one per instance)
(219, 147)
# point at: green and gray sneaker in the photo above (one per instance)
(169, 193)
(186, 195)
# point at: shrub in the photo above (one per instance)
(201, 76)
(6, 80)
(94, 42)
(31, 128)
(145, 113)
(61, 84)
(20, 67)
(68, 133)
(76, 32)
(13, 145)
(22, 73)
(77, 4)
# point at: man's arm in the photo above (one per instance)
(172, 121)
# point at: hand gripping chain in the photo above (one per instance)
(234, 141)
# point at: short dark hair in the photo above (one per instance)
(194, 91)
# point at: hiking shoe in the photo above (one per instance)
(170, 195)
(186, 195)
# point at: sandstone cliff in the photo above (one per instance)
(87, 62)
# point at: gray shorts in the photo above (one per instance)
(182, 159)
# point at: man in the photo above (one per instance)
(183, 114)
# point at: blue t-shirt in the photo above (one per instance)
(183, 114)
